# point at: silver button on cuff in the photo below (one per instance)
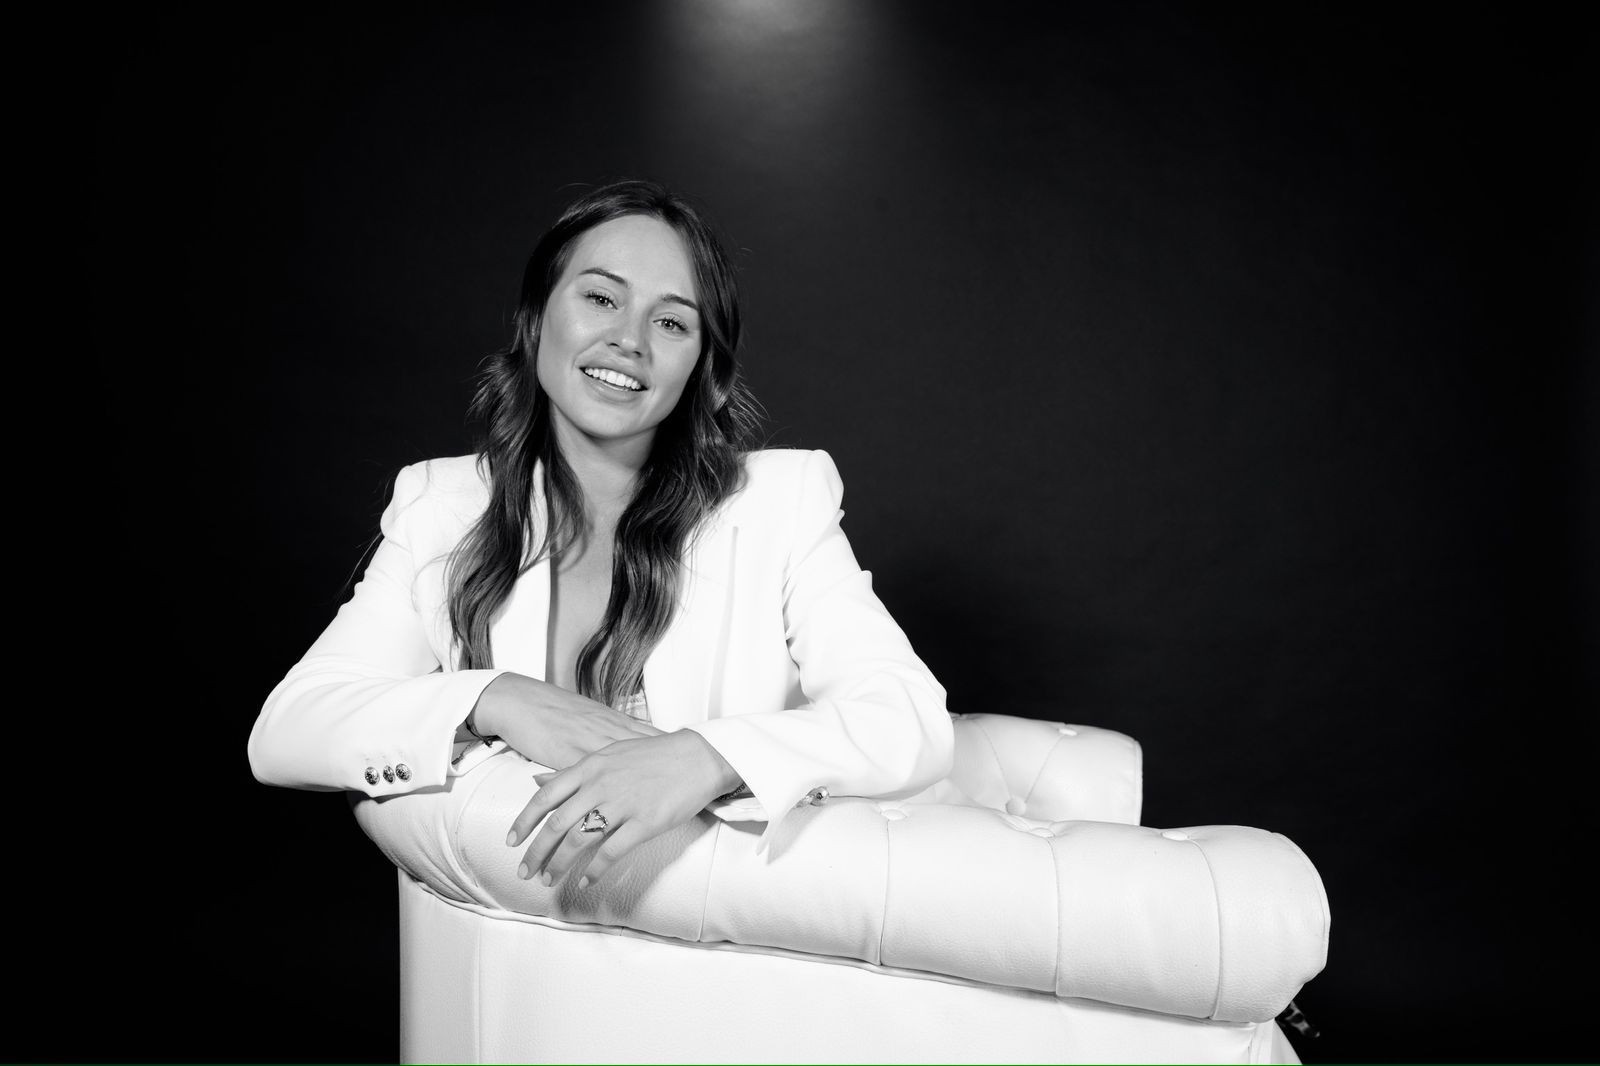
(816, 797)
(388, 774)
(372, 775)
(402, 771)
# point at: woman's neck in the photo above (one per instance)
(607, 471)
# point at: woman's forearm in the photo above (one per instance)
(549, 724)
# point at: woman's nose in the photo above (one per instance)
(629, 334)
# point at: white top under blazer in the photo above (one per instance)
(779, 654)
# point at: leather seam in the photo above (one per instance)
(477, 994)
(1000, 767)
(1044, 764)
(888, 872)
(1216, 902)
(711, 869)
(453, 846)
(885, 970)
(1055, 874)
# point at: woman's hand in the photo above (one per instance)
(642, 787)
(548, 724)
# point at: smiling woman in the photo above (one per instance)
(615, 588)
(617, 346)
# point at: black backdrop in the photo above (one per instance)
(1215, 374)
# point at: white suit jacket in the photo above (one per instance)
(779, 653)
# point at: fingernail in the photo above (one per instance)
(522, 871)
(511, 839)
(544, 879)
(583, 882)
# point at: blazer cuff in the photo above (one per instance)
(430, 752)
(378, 736)
(777, 785)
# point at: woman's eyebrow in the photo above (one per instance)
(670, 297)
(604, 273)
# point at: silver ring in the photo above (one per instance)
(593, 822)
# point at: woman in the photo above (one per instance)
(613, 587)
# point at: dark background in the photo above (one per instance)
(1218, 374)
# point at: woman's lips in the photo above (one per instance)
(614, 378)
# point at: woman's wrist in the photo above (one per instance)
(739, 791)
(725, 779)
(482, 721)
(472, 727)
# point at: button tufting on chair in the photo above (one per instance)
(1061, 936)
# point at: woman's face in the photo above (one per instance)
(620, 333)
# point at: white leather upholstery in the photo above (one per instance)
(489, 986)
(1042, 770)
(1020, 875)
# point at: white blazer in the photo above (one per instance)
(779, 654)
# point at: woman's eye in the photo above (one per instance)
(673, 325)
(599, 299)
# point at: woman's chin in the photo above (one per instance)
(608, 428)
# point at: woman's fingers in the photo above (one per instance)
(577, 846)
(553, 790)
(594, 863)
(562, 835)
(557, 827)
(641, 788)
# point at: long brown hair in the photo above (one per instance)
(695, 463)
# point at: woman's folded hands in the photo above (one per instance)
(617, 782)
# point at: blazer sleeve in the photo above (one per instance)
(371, 699)
(875, 722)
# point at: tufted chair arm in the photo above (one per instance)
(1042, 770)
(960, 881)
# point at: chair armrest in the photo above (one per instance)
(1221, 922)
(1043, 770)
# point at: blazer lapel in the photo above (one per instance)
(680, 675)
(520, 632)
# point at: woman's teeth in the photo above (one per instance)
(613, 377)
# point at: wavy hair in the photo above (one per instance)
(695, 462)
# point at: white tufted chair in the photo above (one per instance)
(1015, 911)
